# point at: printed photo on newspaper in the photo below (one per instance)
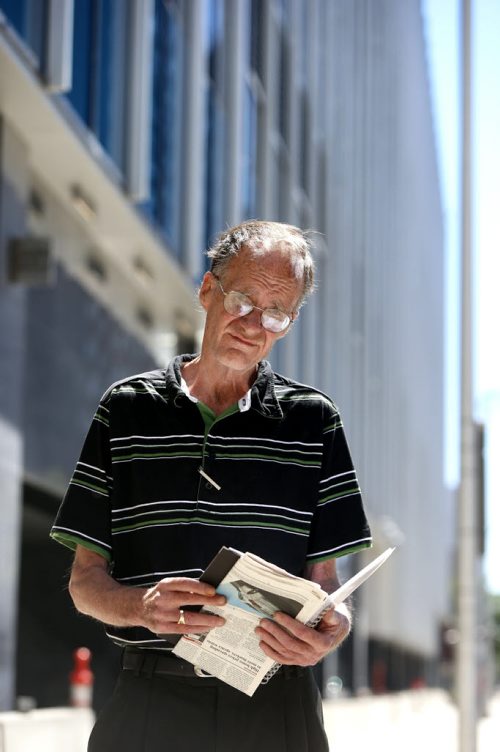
(254, 589)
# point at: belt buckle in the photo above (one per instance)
(202, 674)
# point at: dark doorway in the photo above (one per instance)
(49, 628)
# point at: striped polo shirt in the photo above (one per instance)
(161, 483)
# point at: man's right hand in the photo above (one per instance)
(163, 604)
(97, 594)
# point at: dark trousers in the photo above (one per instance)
(190, 714)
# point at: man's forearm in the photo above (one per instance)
(157, 608)
(95, 593)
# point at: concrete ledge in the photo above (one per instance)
(46, 730)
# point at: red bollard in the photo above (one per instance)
(81, 679)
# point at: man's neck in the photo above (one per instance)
(215, 385)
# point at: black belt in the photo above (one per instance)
(147, 662)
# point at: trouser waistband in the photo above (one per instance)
(144, 662)
(148, 662)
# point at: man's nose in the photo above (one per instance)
(253, 319)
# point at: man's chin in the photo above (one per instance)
(237, 360)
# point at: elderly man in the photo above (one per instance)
(214, 450)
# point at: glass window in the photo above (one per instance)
(283, 184)
(322, 199)
(305, 50)
(322, 45)
(305, 139)
(322, 332)
(99, 86)
(214, 40)
(29, 19)
(215, 120)
(257, 38)
(283, 10)
(299, 333)
(284, 85)
(80, 95)
(112, 114)
(214, 166)
(163, 207)
(249, 171)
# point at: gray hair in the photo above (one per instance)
(261, 236)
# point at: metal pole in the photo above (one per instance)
(467, 517)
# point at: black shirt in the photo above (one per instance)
(288, 489)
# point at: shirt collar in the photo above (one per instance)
(244, 403)
(261, 397)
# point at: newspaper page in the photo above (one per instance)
(254, 589)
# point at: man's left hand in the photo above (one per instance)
(288, 641)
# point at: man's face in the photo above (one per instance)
(268, 280)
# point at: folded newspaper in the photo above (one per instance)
(254, 589)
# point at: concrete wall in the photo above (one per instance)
(76, 350)
(385, 271)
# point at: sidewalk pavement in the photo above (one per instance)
(423, 720)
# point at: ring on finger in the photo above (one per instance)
(181, 619)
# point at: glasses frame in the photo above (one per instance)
(289, 317)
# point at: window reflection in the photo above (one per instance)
(163, 207)
(215, 120)
(98, 93)
(250, 154)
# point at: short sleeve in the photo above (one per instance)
(339, 526)
(84, 515)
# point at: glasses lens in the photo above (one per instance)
(237, 304)
(274, 320)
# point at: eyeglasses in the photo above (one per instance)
(239, 305)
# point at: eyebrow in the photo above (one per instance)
(274, 306)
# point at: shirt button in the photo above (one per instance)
(208, 486)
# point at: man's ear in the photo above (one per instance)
(206, 287)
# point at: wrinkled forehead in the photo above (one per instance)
(272, 274)
(275, 257)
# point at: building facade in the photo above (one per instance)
(131, 132)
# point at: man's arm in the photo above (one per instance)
(292, 643)
(97, 594)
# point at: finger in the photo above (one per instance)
(320, 639)
(178, 598)
(300, 655)
(331, 618)
(291, 652)
(202, 619)
(291, 626)
(188, 585)
(303, 640)
(284, 659)
(279, 639)
(194, 621)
